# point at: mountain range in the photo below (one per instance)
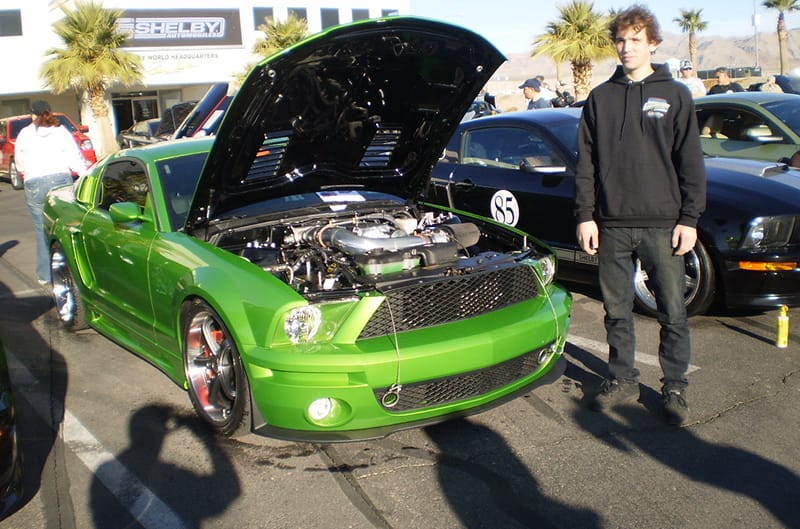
(712, 51)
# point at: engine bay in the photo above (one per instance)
(364, 248)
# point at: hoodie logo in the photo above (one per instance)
(655, 108)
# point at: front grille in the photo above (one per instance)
(450, 299)
(458, 387)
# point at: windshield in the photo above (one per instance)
(786, 111)
(19, 124)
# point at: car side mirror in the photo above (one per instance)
(125, 212)
(761, 134)
(84, 128)
(529, 166)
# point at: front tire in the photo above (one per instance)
(13, 175)
(67, 296)
(215, 375)
(700, 284)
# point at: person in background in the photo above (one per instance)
(771, 86)
(640, 187)
(695, 85)
(547, 94)
(724, 84)
(46, 156)
(532, 90)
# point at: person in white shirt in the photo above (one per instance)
(696, 86)
(46, 155)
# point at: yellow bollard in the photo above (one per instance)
(782, 334)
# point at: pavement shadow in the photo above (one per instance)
(40, 401)
(725, 467)
(484, 481)
(163, 494)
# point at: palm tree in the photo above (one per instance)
(280, 35)
(579, 37)
(91, 61)
(782, 6)
(691, 21)
(277, 36)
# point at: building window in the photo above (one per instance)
(299, 13)
(10, 23)
(262, 16)
(329, 16)
(360, 14)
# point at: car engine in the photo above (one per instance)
(357, 250)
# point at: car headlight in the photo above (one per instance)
(301, 324)
(547, 268)
(769, 232)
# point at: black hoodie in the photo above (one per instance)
(640, 163)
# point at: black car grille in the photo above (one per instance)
(451, 299)
(458, 387)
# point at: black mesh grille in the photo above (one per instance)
(459, 387)
(450, 299)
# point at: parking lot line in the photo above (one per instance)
(602, 348)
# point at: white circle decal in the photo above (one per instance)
(504, 207)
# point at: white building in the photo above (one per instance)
(185, 47)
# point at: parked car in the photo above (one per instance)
(206, 115)
(283, 270)
(10, 454)
(9, 129)
(519, 168)
(755, 125)
(480, 107)
(140, 133)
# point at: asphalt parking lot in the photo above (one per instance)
(110, 442)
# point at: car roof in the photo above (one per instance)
(755, 98)
(542, 116)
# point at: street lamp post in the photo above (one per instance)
(756, 20)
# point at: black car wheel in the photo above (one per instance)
(216, 378)
(13, 175)
(68, 300)
(700, 289)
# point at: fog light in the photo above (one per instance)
(320, 409)
(302, 324)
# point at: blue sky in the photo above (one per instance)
(511, 25)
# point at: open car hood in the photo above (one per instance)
(369, 105)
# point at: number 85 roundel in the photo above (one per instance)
(504, 207)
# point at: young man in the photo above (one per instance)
(724, 84)
(695, 85)
(640, 188)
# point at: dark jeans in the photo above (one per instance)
(665, 271)
(36, 190)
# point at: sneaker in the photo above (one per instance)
(613, 392)
(676, 409)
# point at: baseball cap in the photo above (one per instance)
(532, 82)
(686, 65)
(40, 107)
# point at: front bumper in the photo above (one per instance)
(760, 290)
(446, 371)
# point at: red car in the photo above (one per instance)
(10, 127)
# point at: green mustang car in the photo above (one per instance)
(287, 272)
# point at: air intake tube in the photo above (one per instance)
(464, 235)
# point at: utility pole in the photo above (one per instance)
(756, 20)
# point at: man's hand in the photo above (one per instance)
(683, 239)
(588, 237)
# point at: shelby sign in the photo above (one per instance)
(190, 27)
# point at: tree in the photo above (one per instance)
(91, 61)
(280, 35)
(782, 6)
(579, 37)
(277, 36)
(691, 21)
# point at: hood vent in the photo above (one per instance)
(268, 160)
(380, 149)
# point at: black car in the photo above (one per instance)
(519, 168)
(10, 458)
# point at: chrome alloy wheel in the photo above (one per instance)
(211, 365)
(692, 277)
(63, 287)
